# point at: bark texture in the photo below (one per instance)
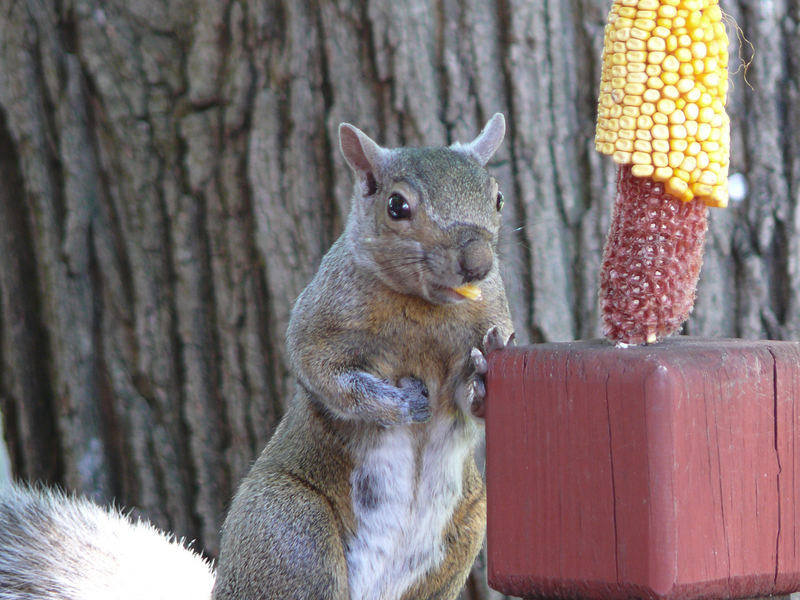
(170, 179)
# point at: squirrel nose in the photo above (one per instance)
(475, 260)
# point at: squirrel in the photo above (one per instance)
(368, 489)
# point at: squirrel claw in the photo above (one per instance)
(478, 361)
(493, 340)
(478, 406)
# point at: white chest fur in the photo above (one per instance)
(402, 500)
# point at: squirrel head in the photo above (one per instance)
(425, 220)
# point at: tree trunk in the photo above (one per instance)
(170, 178)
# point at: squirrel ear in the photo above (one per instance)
(488, 141)
(362, 154)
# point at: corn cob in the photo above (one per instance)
(661, 116)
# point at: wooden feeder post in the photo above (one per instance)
(669, 471)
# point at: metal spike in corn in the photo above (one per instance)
(661, 116)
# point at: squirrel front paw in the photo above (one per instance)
(414, 396)
(476, 387)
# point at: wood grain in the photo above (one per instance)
(666, 471)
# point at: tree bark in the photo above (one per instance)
(170, 179)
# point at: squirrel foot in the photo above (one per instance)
(476, 388)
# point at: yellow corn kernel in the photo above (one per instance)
(677, 132)
(642, 170)
(470, 291)
(670, 77)
(621, 158)
(661, 146)
(667, 11)
(666, 106)
(675, 159)
(624, 145)
(656, 44)
(662, 95)
(701, 189)
(662, 32)
(651, 95)
(660, 132)
(677, 117)
(684, 86)
(662, 173)
(671, 92)
(635, 43)
(678, 144)
(661, 159)
(636, 77)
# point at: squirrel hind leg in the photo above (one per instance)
(299, 555)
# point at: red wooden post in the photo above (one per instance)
(664, 471)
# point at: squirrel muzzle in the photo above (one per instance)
(475, 260)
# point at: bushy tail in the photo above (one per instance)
(56, 547)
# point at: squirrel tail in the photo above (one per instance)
(54, 546)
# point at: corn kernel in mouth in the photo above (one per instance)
(470, 291)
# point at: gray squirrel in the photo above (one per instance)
(368, 488)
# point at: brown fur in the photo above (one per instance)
(367, 335)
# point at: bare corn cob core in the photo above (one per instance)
(661, 116)
(651, 261)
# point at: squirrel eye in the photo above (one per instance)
(500, 201)
(398, 207)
